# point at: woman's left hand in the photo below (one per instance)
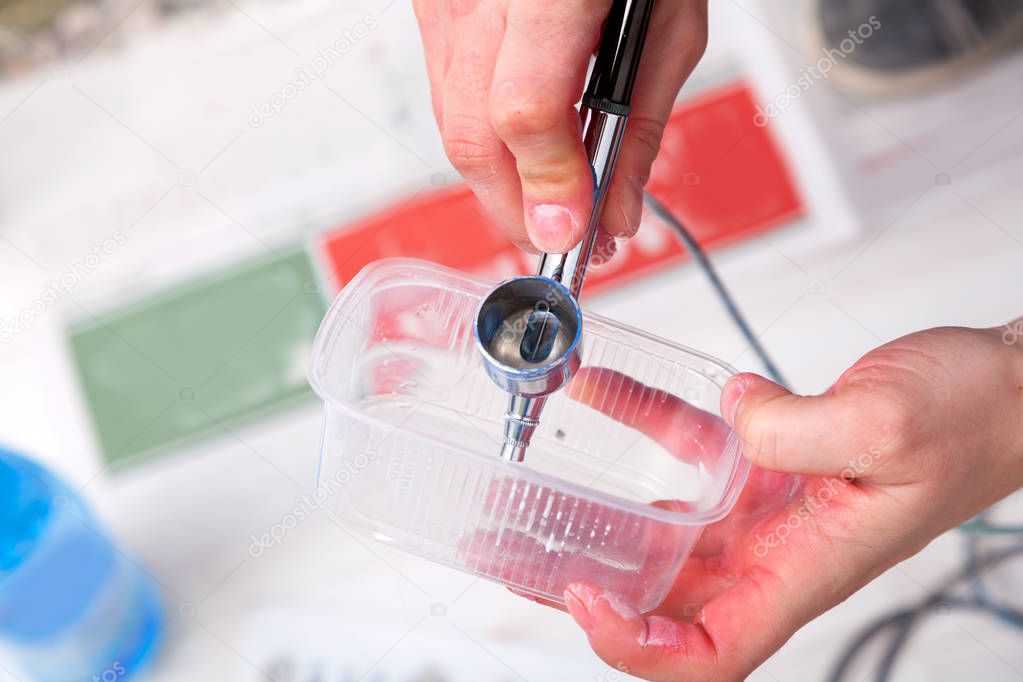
(916, 437)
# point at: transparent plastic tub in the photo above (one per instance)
(412, 430)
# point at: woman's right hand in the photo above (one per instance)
(505, 76)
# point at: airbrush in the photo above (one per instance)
(529, 329)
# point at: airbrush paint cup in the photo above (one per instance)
(530, 331)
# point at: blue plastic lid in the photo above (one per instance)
(53, 562)
(26, 504)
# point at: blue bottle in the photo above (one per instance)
(73, 608)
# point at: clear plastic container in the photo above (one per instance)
(412, 436)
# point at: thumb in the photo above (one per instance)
(791, 433)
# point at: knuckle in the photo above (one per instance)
(696, 46)
(895, 421)
(646, 133)
(549, 176)
(470, 147)
(692, 34)
(517, 118)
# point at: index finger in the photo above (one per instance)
(538, 78)
(686, 431)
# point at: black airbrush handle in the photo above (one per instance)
(621, 48)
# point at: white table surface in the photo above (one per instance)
(953, 257)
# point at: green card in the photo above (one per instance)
(196, 359)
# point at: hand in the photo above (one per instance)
(916, 437)
(505, 76)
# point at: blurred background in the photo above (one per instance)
(186, 184)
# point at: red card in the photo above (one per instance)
(723, 176)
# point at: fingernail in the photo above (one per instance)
(632, 203)
(550, 227)
(733, 393)
(578, 600)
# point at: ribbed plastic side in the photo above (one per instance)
(487, 520)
